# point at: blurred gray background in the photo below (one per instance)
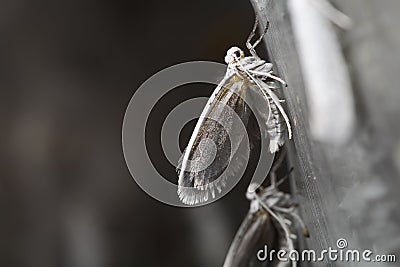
(68, 71)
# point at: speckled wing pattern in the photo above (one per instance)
(201, 175)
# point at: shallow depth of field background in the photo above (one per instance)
(68, 71)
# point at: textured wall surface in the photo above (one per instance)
(350, 190)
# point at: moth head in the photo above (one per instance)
(234, 54)
(252, 191)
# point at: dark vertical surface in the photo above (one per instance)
(67, 72)
(348, 191)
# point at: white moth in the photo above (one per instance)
(210, 149)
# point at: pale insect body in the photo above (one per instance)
(209, 151)
(270, 221)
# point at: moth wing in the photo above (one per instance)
(203, 168)
(255, 231)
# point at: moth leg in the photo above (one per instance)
(285, 228)
(261, 36)
(268, 75)
(285, 210)
(251, 35)
(268, 92)
(292, 212)
(250, 46)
